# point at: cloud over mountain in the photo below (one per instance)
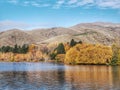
(5, 25)
(8, 24)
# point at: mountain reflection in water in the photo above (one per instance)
(49, 76)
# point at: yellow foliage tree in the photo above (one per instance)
(32, 47)
(67, 47)
(118, 57)
(60, 57)
(89, 54)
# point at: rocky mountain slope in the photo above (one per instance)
(98, 32)
(44, 34)
(15, 36)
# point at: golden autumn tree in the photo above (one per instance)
(116, 54)
(89, 54)
(60, 57)
(32, 51)
(67, 47)
(118, 57)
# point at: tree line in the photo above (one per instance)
(16, 49)
(75, 52)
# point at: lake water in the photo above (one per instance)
(50, 76)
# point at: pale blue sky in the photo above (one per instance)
(28, 14)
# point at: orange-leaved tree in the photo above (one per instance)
(89, 54)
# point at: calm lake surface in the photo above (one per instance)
(50, 76)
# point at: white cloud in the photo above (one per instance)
(13, 1)
(8, 24)
(26, 3)
(72, 2)
(114, 4)
(58, 4)
(85, 3)
(35, 4)
(108, 3)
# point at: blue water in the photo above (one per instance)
(19, 66)
(51, 76)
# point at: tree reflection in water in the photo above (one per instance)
(62, 78)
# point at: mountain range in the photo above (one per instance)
(97, 32)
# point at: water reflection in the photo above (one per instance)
(90, 77)
(116, 77)
(60, 77)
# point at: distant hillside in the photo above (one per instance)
(15, 36)
(98, 32)
(44, 34)
(61, 38)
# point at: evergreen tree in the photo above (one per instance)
(73, 43)
(60, 49)
(24, 48)
(7, 49)
(15, 49)
(53, 55)
(80, 42)
(19, 49)
(11, 49)
(3, 49)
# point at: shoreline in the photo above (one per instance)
(56, 62)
